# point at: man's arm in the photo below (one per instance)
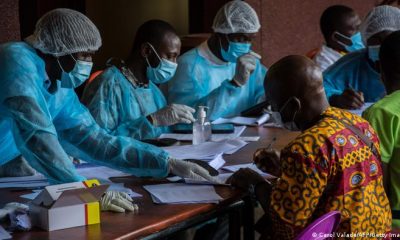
(81, 137)
(37, 140)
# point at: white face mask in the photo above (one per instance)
(277, 117)
(163, 72)
(77, 75)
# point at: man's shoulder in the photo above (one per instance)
(321, 134)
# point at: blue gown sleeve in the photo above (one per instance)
(33, 131)
(81, 137)
(333, 84)
(187, 87)
(103, 98)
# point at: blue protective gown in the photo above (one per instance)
(354, 70)
(47, 127)
(120, 108)
(203, 79)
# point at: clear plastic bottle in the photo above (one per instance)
(201, 127)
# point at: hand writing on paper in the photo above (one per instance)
(244, 178)
(268, 160)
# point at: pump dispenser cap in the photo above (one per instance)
(202, 112)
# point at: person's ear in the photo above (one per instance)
(145, 50)
(223, 40)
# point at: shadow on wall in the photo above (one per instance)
(119, 20)
(292, 26)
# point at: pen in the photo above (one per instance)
(359, 92)
(270, 144)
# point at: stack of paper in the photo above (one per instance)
(207, 150)
(244, 120)
(180, 193)
(215, 137)
(34, 181)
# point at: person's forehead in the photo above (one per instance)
(348, 21)
(241, 35)
(170, 43)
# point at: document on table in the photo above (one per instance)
(37, 180)
(207, 150)
(234, 168)
(181, 193)
(214, 137)
(222, 177)
(92, 171)
(244, 120)
(32, 195)
(362, 109)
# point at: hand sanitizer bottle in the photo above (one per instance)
(201, 127)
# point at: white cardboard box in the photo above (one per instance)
(67, 205)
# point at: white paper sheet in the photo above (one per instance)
(234, 168)
(34, 181)
(181, 193)
(91, 171)
(362, 109)
(207, 150)
(222, 177)
(32, 195)
(250, 138)
(244, 120)
(215, 137)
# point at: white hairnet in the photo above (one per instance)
(382, 18)
(236, 17)
(64, 31)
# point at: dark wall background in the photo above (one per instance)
(292, 26)
(288, 26)
(9, 23)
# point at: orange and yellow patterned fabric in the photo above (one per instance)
(328, 168)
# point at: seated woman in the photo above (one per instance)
(125, 100)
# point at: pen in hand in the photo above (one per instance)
(269, 146)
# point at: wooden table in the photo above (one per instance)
(157, 221)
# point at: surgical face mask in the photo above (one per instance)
(277, 117)
(235, 50)
(77, 76)
(163, 72)
(373, 52)
(356, 41)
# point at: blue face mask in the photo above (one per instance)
(77, 76)
(373, 52)
(163, 72)
(235, 50)
(356, 40)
